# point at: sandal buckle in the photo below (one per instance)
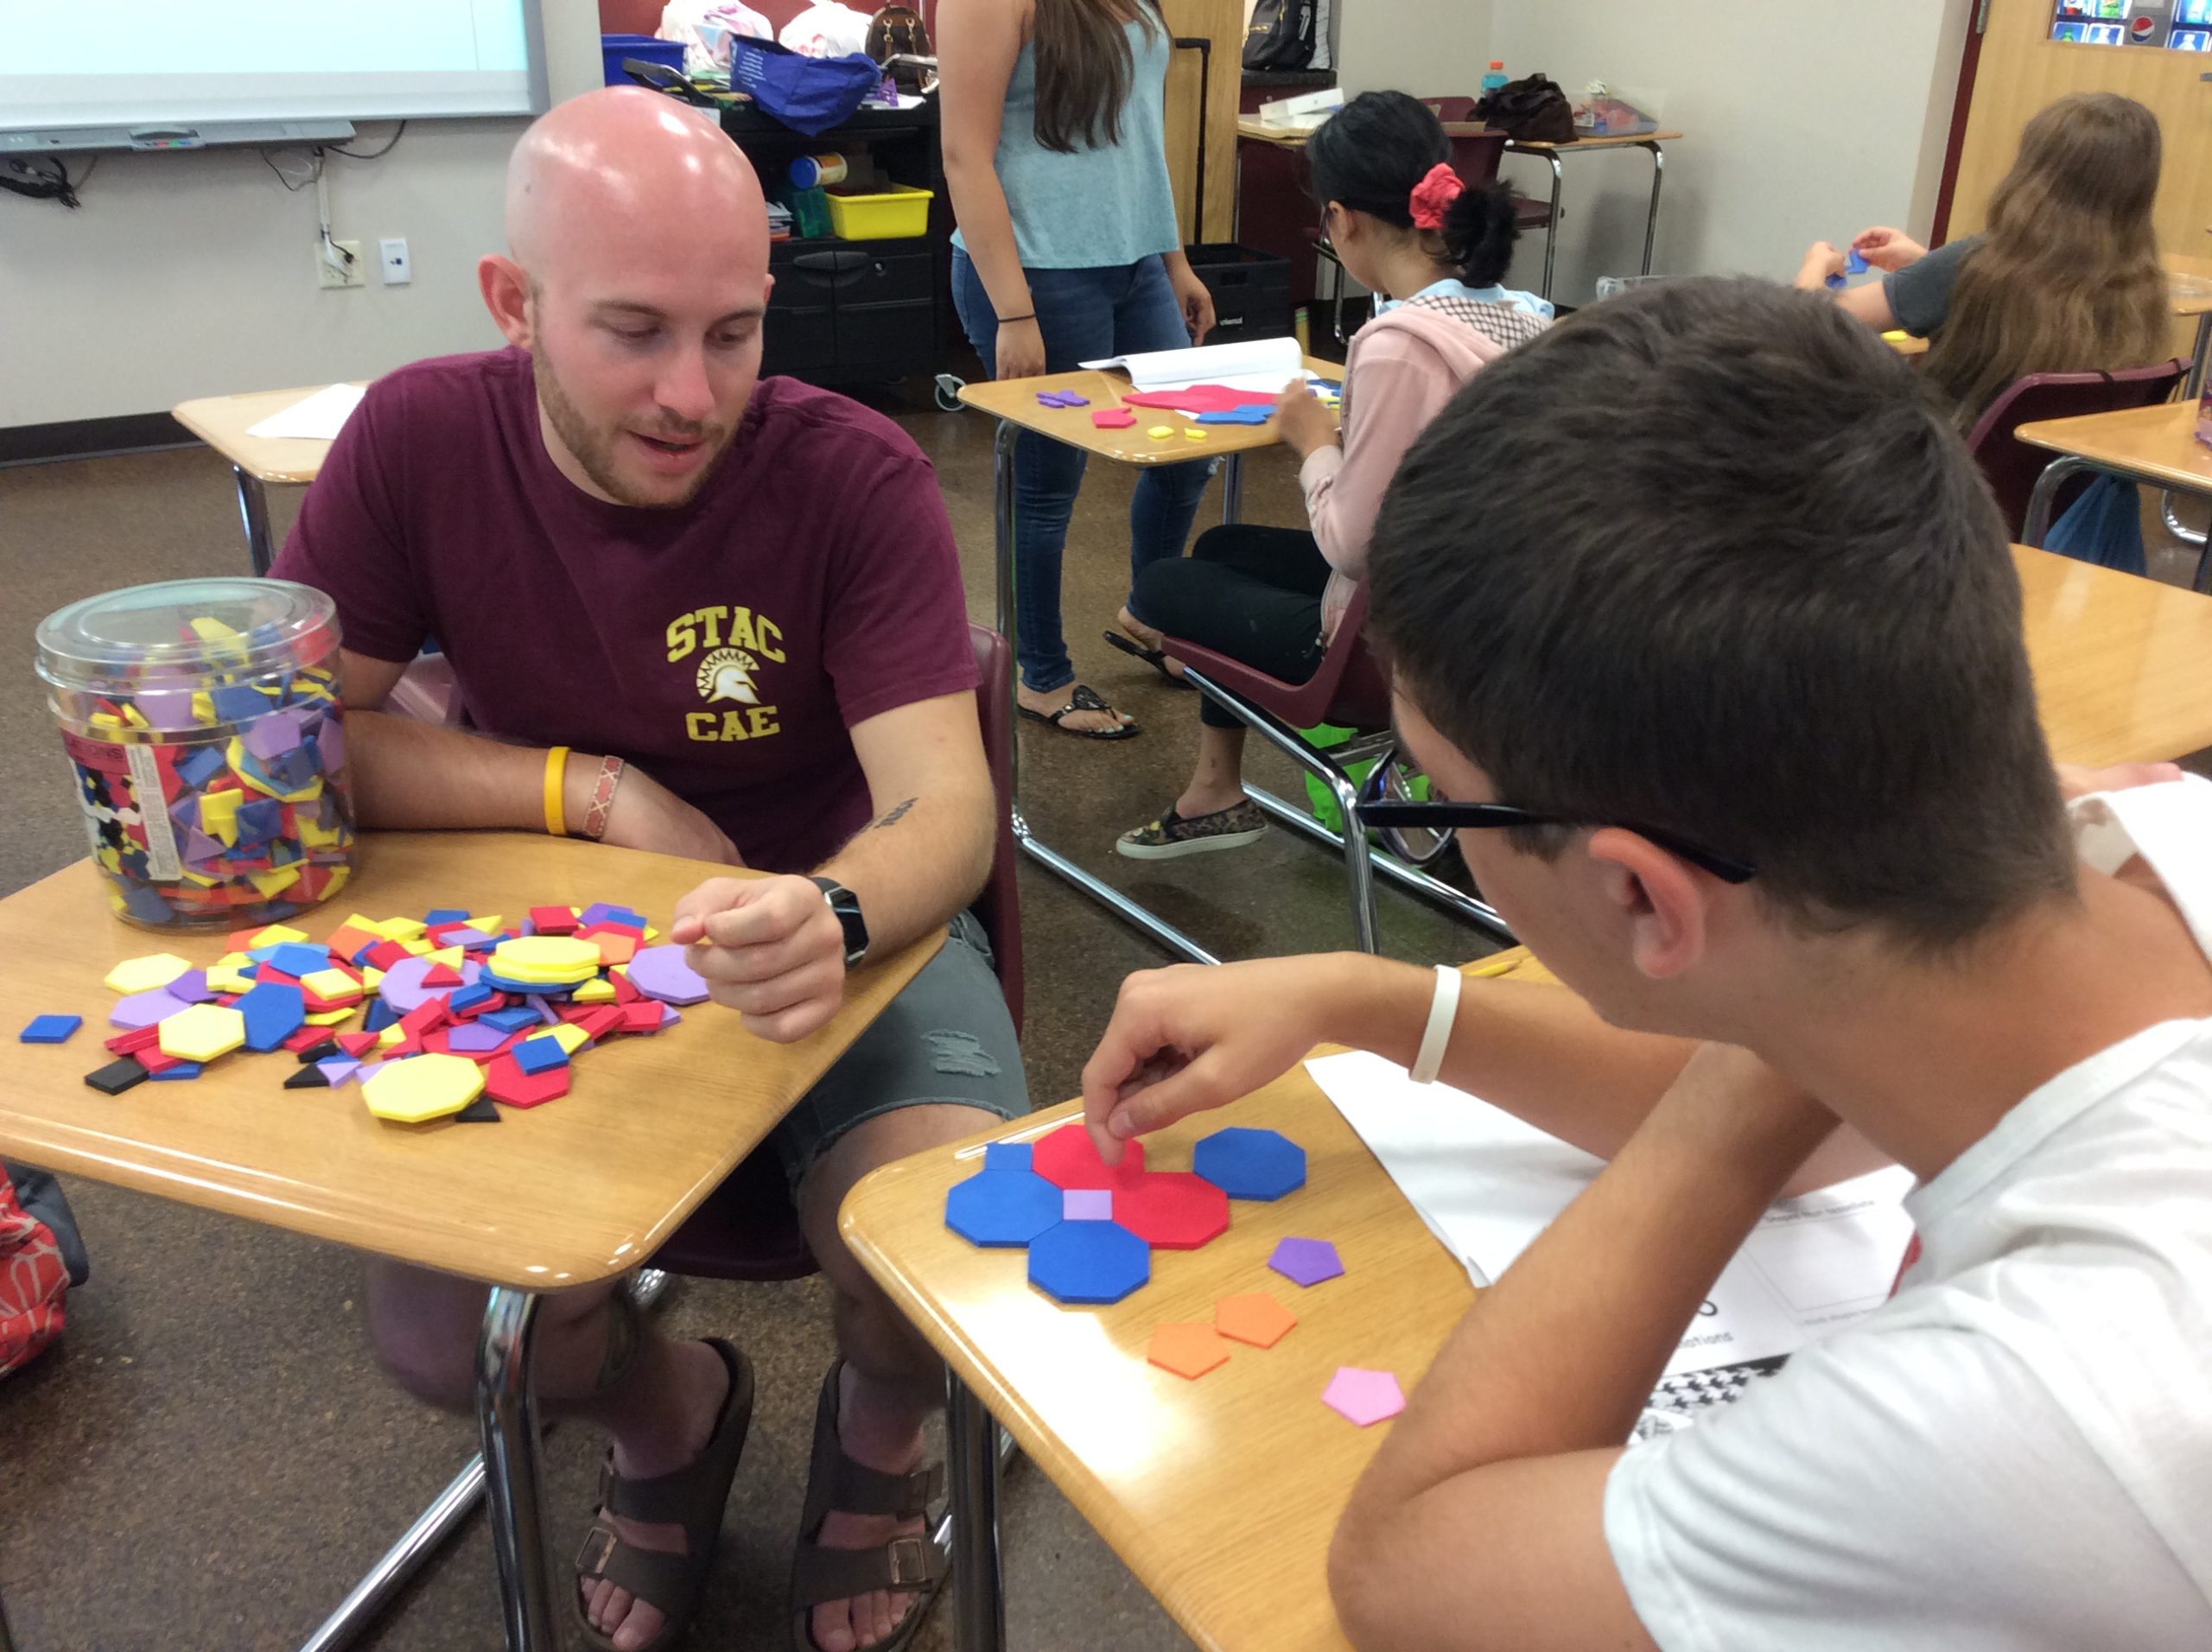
(910, 1562)
(591, 1559)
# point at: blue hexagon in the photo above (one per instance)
(1001, 1207)
(1088, 1261)
(1251, 1164)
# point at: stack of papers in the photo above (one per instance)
(1487, 1184)
(1250, 364)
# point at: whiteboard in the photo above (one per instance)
(136, 63)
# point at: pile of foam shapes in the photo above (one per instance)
(433, 1017)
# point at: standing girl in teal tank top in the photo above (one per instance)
(1067, 250)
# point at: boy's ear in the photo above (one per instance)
(1661, 897)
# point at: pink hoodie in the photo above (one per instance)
(1402, 367)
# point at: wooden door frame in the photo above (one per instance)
(1961, 106)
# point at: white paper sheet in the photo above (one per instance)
(1249, 364)
(1486, 1185)
(320, 417)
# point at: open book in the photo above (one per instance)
(1249, 364)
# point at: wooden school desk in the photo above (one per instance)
(1014, 402)
(582, 1189)
(1552, 155)
(222, 422)
(1220, 1495)
(2156, 446)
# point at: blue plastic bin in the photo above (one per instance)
(615, 48)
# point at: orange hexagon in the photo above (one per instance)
(1257, 1318)
(1188, 1350)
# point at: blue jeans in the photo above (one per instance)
(1119, 309)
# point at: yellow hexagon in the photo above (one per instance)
(202, 1032)
(550, 959)
(423, 1087)
(155, 970)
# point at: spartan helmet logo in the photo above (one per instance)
(726, 674)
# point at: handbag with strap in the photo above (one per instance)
(1533, 109)
(1281, 34)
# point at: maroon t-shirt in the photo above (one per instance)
(724, 648)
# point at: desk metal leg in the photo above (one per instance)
(2046, 490)
(1551, 230)
(1651, 218)
(253, 510)
(507, 1414)
(972, 1454)
(1232, 489)
(401, 1562)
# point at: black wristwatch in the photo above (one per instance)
(847, 905)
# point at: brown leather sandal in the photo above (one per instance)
(692, 1497)
(833, 1481)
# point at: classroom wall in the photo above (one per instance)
(1428, 48)
(193, 275)
(1801, 123)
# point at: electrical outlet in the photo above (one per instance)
(338, 263)
(393, 261)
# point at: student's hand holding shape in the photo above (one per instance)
(1198, 1036)
(1193, 300)
(1821, 261)
(1019, 352)
(1887, 249)
(1300, 420)
(646, 815)
(770, 949)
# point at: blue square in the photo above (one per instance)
(536, 1056)
(51, 1029)
(237, 704)
(201, 766)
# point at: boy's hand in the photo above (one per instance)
(1197, 1036)
(1821, 261)
(770, 948)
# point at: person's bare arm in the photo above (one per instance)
(1479, 1523)
(412, 775)
(771, 949)
(978, 42)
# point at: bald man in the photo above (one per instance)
(738, 605)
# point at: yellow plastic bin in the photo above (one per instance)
(897, 213)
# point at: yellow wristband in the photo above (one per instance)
(556, 774)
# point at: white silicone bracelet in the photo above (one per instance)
(1436, 1037)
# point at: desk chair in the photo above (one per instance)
(747, 1229)
(2011, 466)
(1349, 689)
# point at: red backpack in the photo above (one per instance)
(34, 1282)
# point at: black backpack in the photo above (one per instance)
(1282, 35)
(1534, 111)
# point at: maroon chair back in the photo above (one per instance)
(2012, 466)
(746, 1229)
(1349, 687)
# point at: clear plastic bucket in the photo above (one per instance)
(204, 722)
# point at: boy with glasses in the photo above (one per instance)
(1754, 726)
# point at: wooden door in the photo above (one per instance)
(1222, 22)
(2022, 69)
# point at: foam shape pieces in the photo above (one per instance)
(297, 959)
(202, 1031)
(1087, 1204)
(1306, 1261)
(468, 1039)
(50, 1029)
(117, 1076)
(176, 1071)
(273, 1010)
(1248, 1164)
(538, 1053)
(332, 986)
(406, 987)
(553, 920)
(1065, 1158)
(1189, 1351)
(1257, 1319)
(191, 987)
(547, 960)
(1088, 1261)
(135, 975)
(1173, 1209)
(1160, 432)
(1008, 1155)
(1006, 1208)
(663, 972)
(479, 1111)
(1112, 418)
(510, 1085)
(144, 1009)
(1362, 1396)
(423, 1088)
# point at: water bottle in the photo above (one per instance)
(1495, 78)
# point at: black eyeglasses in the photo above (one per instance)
(1375, 810)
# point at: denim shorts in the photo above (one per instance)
(947, 1039)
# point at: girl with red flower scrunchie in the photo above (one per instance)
(1434, 252)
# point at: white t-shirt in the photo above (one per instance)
(2016, 1451)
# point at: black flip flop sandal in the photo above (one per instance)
(1157, 658)
(833, 1481)
(1084, 698)
(692, 1497)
